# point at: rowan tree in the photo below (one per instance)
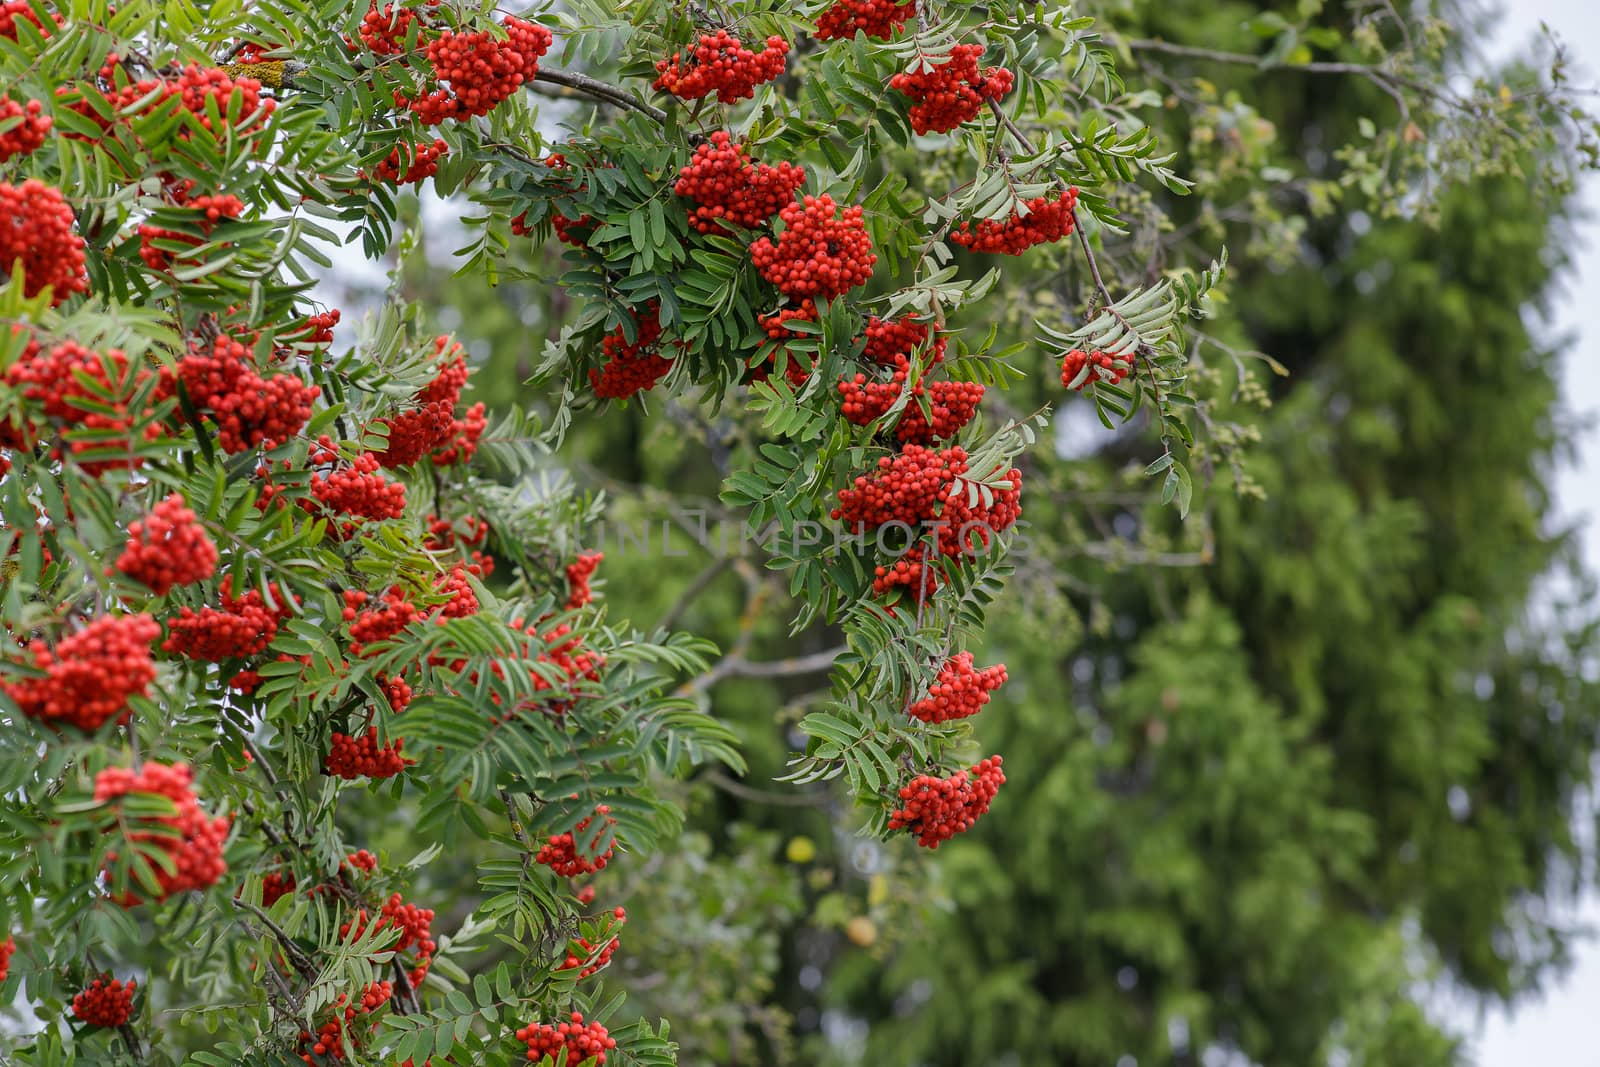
(272, 574)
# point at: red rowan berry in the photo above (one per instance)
(952, 404)
(36, 228)
(168, 547)
(720, 64)
(465, 536)
(1047, 220)
(890, 340)
(462, 444)
(27, 135)
(567, 1044)
(936, 809)
(275, 885)
(560, 854)
(474, 72)
(195, 851)
(631, 367)
(418, 431)
(821, 252)
(51, 379)
(89, 675)
(7, 947)
(384, 30)
(875, 18)
(583, 953)
(107, 1002)
(364, 757)
(797, 367)
(408, 164)
(959, 691)
(209, 211)
(355, 489)
(1079, 369)
(242, 626)
(12, 10)
(728, 186)
(953, 92)
(578, 574)
(248, 409)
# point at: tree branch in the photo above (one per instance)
(599, 90)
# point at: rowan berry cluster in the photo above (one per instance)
(890, 340)
(581, 952)
(195, 850)
(7, 947)
(821, 252)
(631, 366)
(953, 92)
(415, 927)
(54, 379)
(579, 571)
(36, 229)
(407, 164)
(26, 135)
(951, 404)
(720, 64)
(314, 330)
(12, 10)
(1079, 369)
(209, 210)
(355, 488)
(465, 536)
(328, 1043)
(796, 366)
(1046, 220)
(238, 102)
(465, 431)
(363, 756)
(384, 30)
(875, 18)
(936, 809)
(167, 548)
(907, 488)
(562, 649)
(728, 186)
(107, 1002)
(561, 855)
(417, 432)
(474, 72)
(248, 409)
(960, 690)
(275, 885)
(567, 1044)
(242, 626)
(89, 675)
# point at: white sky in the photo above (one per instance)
(1563, 1028)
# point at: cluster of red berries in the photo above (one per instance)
(563, 651)
(12, 10)
(7, 947)
(415, 926)
(936, 809)
(314, 329)
(891, 340)
(560, 853)
(951, 404)
(631, 366)
(417, 432)
(384, 30)
(953, 92)
(36, 229)
(248, 409)
(407, 164)
(567, 1044)
(241, 626)
(907, 487)
(960, 690)
(355, 489)
(26, 135)
(51, 378)
(475, 72)
(462, 601)
(796, 368)
(364, 757)
(275, 885)
(195, 850)
(579, 571)
(197, 90)
(1047, 220)
(1080, 368)
(328, 1043)
(875, 18)
(168, 547)
(574, 232)
(209, 211)
(581, 952)
(369, 625)
(107, 1002)
(465, 431)
(720, 64)
(89, 675)
(467, 536)
(821, 252)
(728, 186)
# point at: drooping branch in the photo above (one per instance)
(599, 90)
